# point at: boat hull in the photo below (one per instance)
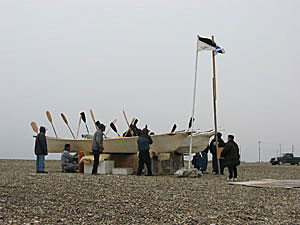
(200, 142)
(161, 144)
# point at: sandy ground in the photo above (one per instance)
(59, 198)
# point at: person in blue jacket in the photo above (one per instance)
(144, 141)
(197, 160)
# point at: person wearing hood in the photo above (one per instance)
(213, 151)
(69, 161)
(231, 157)
(41, 150)
(144, 141)
(97, 145)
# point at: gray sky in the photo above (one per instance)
(70, 56)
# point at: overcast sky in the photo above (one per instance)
(70, 56)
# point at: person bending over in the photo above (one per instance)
(69, 162)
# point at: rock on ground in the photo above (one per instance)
(60, 198)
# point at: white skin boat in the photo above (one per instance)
(162, 143)
(200, 142)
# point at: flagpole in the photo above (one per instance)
(193, 109)
(215, 105)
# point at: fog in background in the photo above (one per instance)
(70, 56)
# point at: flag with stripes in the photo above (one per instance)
(206, 44)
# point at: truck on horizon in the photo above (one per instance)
(285, 158)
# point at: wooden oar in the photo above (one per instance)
(173, 128)
(34, 127)
(78, 127)
(114, 128)
(127, 124)
(66, 122)
(131, 123)
(93, 118)
(50, 120)
(84, 120)
(108, 129)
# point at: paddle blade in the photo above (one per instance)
(64, 118)
(113, 127)
(191, 121)
(135, 122)
(83, 117)
(173, 128)
(49, 116)
(92, 115)
(34, 127)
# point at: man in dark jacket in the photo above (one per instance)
(144, 141)
(40, 150)
(97, 145)
(231, 157)
(213, 151)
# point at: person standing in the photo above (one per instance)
(204, 159)
(40, 150)
(231, 157)
(69, 162)
(213, 151)
(144, 141)
(97, 145)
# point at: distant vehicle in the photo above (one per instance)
(285, 158)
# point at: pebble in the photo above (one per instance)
(59, 198)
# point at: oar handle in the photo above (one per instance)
(93, 118)
(54, 130)
(71, 132)
(78, 127)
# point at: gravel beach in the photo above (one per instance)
(59, 198)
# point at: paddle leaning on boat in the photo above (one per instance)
(162, 143)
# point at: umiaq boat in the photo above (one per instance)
(162, 143)
(200, 141)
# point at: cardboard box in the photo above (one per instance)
(105, 167)
(122, 171)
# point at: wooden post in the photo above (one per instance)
(215, 105)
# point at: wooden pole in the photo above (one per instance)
(215, 104)
(259, 142)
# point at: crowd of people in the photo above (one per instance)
(229, 156)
